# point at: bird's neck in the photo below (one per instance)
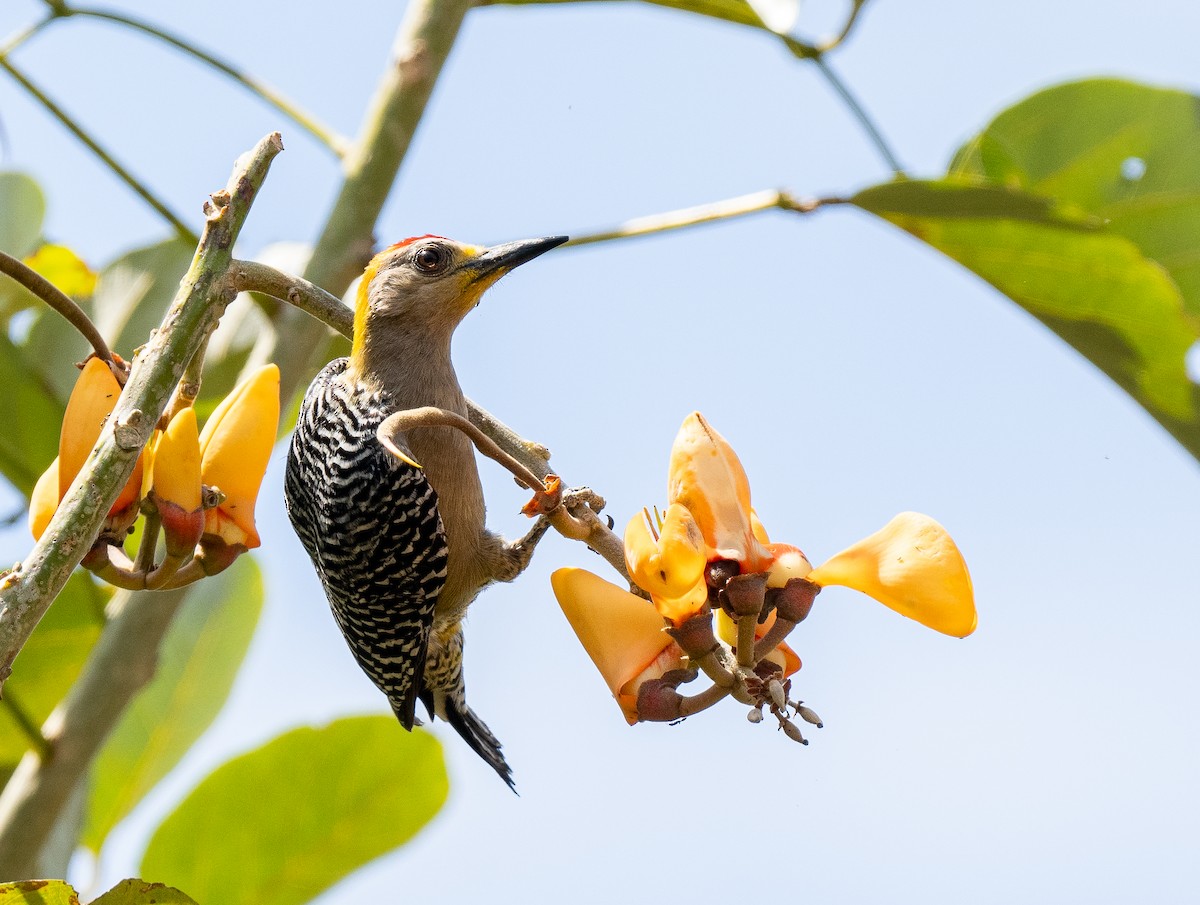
(414, 368)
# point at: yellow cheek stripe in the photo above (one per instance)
(362, 306)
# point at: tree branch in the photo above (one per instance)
(41, 787)
(423, 43)
(26, 593)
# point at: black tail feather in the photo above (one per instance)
(474, 732)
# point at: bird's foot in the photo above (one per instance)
(547, 500)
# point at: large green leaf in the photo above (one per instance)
(33, 418)
(1082, 204)
(286, 821)
(50, 662)
(196, 667)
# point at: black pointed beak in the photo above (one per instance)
(499, 259)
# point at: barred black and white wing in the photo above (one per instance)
(370, 523)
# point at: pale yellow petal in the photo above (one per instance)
(707, 478)
(789, 562)
(912, 566)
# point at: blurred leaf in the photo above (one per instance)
(139, 892)
(22, 209)
(38, 892)
(131, 297)
(51, 661)
(65, 269)
(282, 823)
(135, 291)
(1082, 204)
(58, 264)
(33, 418)
(197, 664)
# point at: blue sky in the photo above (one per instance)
(1050, 757)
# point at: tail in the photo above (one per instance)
(473, 730)
(443, 692)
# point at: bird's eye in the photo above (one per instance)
(431, 259)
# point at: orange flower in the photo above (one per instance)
(622, 634)
(235, 448)
(175, 483)
(91, 402)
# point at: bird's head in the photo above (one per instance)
(428, 284)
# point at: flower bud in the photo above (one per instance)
(235, 447)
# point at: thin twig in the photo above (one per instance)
(59, 301)
(860, 114)
(25, 34)
(28, 727)
(250, 276)
(336, 143)
(105, 157)
(728, 209)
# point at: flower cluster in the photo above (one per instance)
(198, 487)
(708, 554)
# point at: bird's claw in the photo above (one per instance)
(546, 500)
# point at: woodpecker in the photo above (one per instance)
(394, 523)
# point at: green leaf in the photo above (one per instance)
(22, 209)
(282, 823)
(1127, 154)
(33, 419)
(50, 662)
(139, 892)
(1082, 204)
(131, 297)
(199, 659)
(134, 292)
(38, 892)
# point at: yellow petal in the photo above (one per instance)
(913, 567)
(707, 478)
(758, 528)
(43, 501)
(680, 609)
(670, 566)
(93, 398)
(176, 469)
(236, 445)
(92, 401)
(621, 633)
